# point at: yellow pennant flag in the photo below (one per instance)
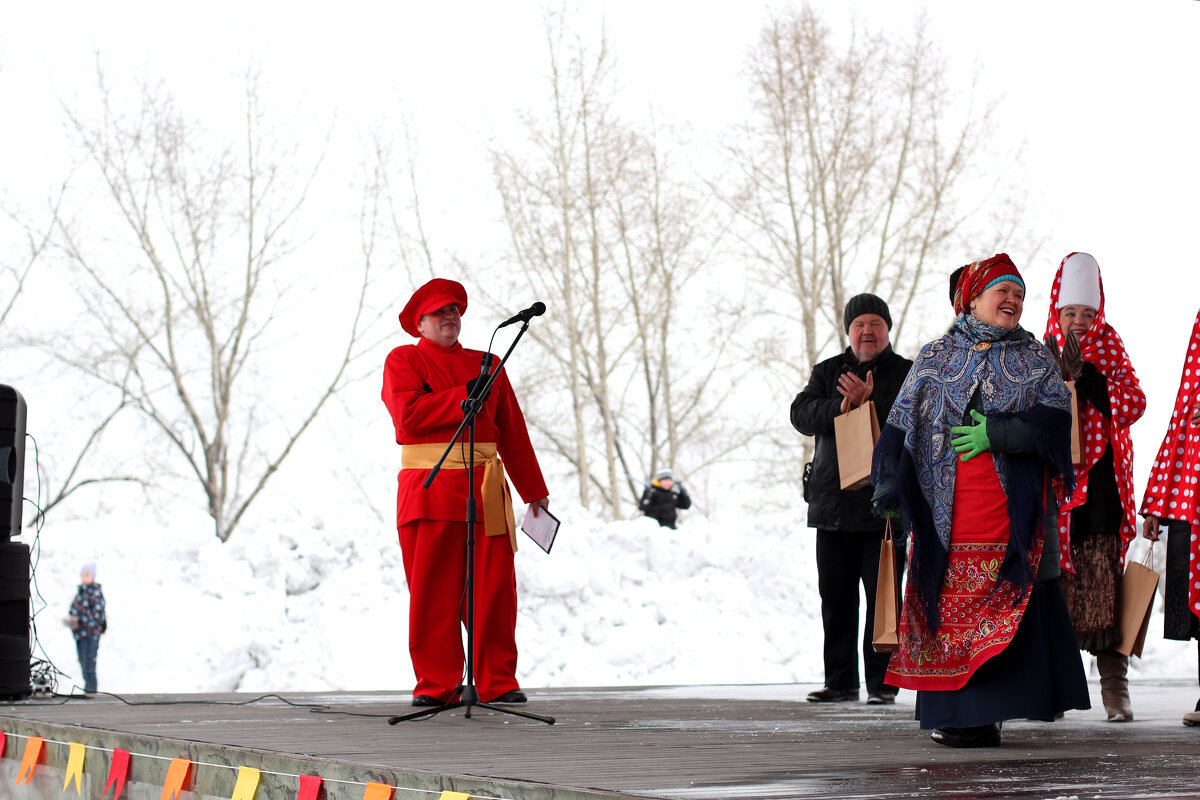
(75, 767)
(247, 784)
(33, 749)
(454, 796)
(377, 791)
(176, 777)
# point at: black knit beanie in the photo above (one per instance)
(866, 303)
(954, 276)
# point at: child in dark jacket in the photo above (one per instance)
(662, 497)
(89, 621)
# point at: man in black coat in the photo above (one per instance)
(662, 497)
(848, 533)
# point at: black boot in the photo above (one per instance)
(978, 736)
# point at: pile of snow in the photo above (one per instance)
(323, 606)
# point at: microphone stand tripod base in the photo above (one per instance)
(468, 699)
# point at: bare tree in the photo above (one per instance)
(554, 202)
(854, 170)
(188, 257)
(667, 235)
(600, 220)
(35, 241)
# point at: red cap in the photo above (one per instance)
(438, 293)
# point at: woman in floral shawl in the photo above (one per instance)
(967, 457)
(1171, 498)
(1097, 524)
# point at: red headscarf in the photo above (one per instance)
(437, 293)
(1175, 479)
(977, 277)
(1103, 349)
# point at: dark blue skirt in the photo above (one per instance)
(1038, 676)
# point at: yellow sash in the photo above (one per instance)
(498, 516)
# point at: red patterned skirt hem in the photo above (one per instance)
(978, 613)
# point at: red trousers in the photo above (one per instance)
(436, 570)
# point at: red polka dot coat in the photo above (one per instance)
(1103, 348)
(1171, 490)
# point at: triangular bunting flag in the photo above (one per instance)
(176, 777)
(309, 786)
(33, 749)
(246, 785)
(117, 771)
(454, 796)
(1, 744)
(75, 767)
(377, 791)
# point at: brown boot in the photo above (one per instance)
(1114, 686)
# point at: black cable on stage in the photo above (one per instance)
(313, 708)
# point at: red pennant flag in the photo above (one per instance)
(1, 744)
(309, 786)
(117, 771)
(33, 749)
(377, 791)
(176, 778)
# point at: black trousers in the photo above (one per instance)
(846, 560)
(1178, 620)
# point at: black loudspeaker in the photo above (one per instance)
(14, 556)
(12, 461)
(14, 620)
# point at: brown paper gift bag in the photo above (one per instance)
(856, 432)
(1076, 430)
(1136, 599)
(886, 636)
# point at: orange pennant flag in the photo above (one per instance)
(33, 749)
(377, 791)
(176, 777)
(117, 771)
(75, 767)
(309, 786)
(247, 784)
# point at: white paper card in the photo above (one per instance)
(542, 528)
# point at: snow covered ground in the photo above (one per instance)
(319, 606)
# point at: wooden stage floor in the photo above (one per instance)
(685, 742)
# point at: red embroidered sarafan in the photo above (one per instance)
(978, 619)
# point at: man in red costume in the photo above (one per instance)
(424, 386)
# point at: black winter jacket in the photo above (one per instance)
(813, 410)
(661, 503)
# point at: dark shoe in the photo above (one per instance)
(979, 736)
(831, 695)
(881, 697)
(511, 696)
(421, 700)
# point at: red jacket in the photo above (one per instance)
(424, 386)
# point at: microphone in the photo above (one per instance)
(535, 310)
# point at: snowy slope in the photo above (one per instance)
(313, 607)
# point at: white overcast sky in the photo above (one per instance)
(1104, 95)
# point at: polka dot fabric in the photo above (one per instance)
(1103, 349)
(1174, 478)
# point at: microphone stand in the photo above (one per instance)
(468, 695)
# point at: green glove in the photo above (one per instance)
(887, 512)
(971, 440)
